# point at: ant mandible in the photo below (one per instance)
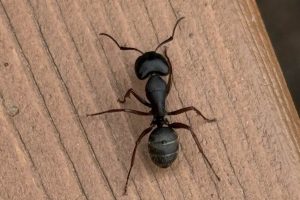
(163, 142)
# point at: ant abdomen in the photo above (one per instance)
(163, 146)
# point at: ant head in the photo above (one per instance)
(151, 63)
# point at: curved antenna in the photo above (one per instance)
(170, 38)
(122, 48)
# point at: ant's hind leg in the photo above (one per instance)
(145, 132)
(170, 78)
(178, 125)
(139, 98)
(190, 108)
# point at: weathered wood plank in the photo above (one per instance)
(55, 69)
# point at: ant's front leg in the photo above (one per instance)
(169, 84)
(139, 98)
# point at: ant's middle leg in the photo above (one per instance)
(137, 112)
(190, 108)
(141, 99)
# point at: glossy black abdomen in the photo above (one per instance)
(163, 146)
(156, 90)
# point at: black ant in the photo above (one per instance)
(163, 141)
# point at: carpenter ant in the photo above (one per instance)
(163, 141)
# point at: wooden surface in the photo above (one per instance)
(55, 69)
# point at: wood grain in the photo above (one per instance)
(55, 69)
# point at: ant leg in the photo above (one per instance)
(177, 125)
(169, 85)
(122, 48)
(141, 99)
(171, 37)
(182, 110)
(137, 112)
(147, 130)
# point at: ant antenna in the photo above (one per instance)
(122, 48)
(170, 38)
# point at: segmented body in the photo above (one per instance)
(163, 146)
